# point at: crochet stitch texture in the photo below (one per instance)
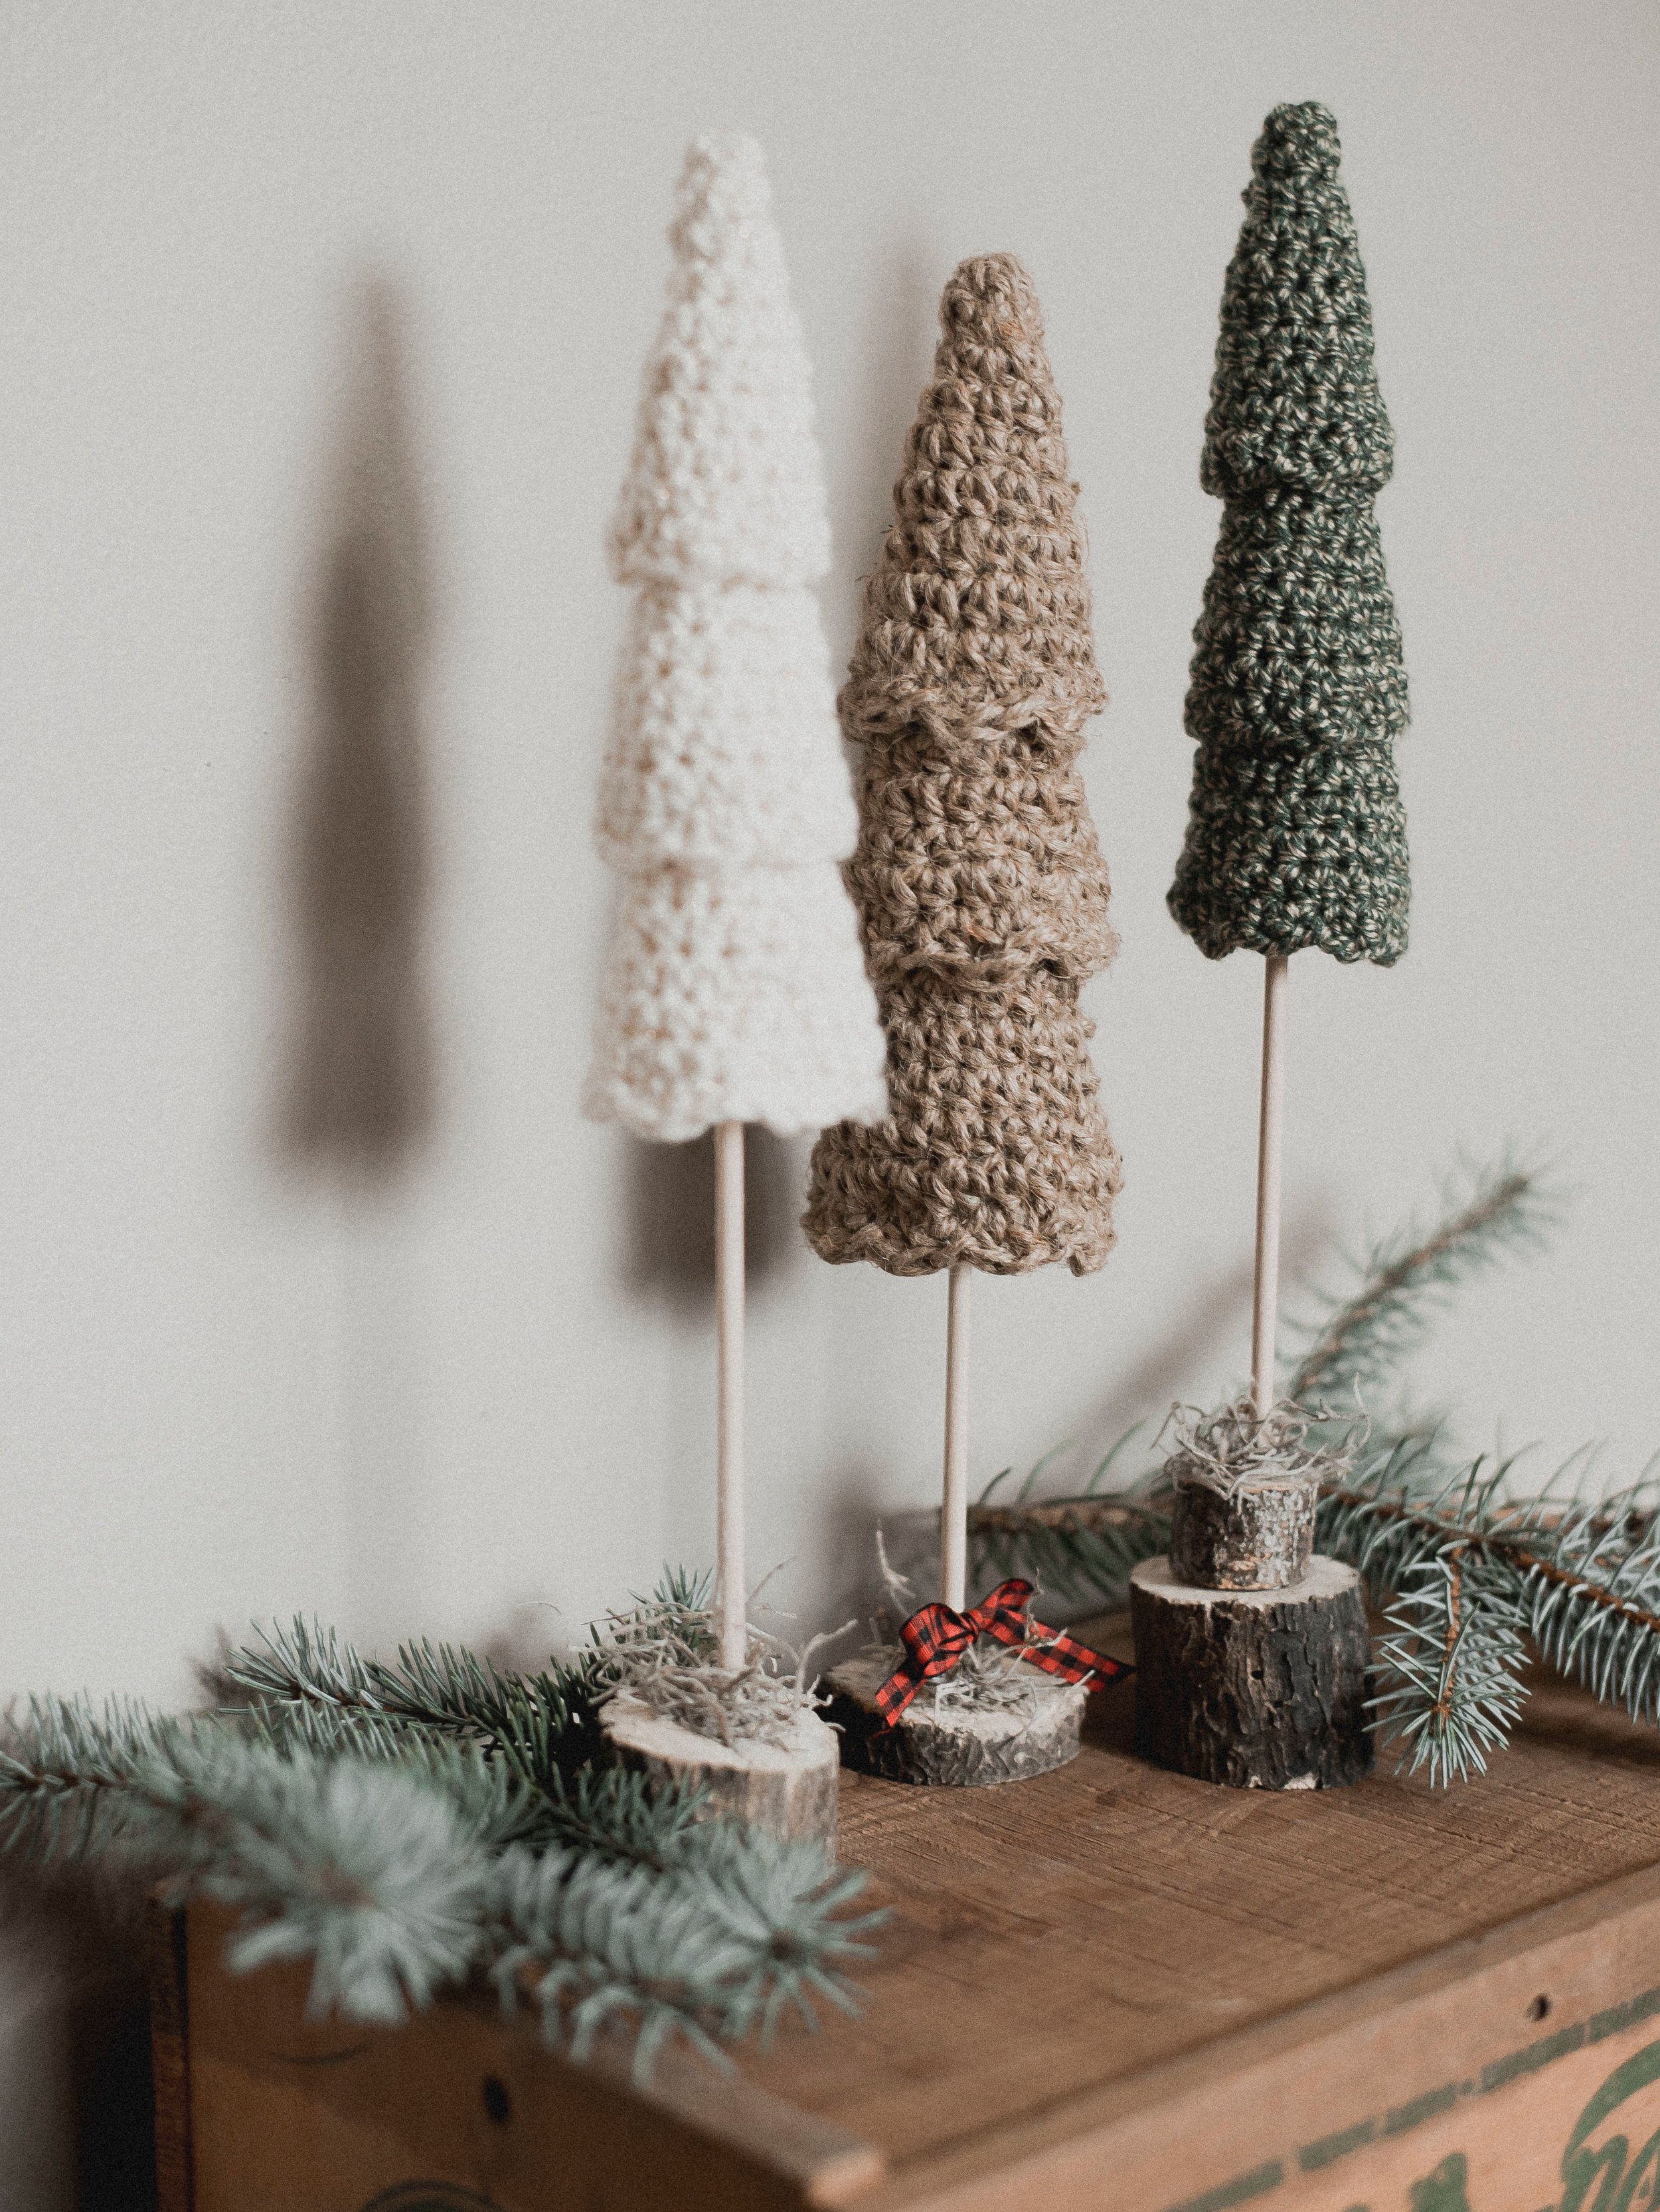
(1295, 834)
(735, 988)
(980, 888)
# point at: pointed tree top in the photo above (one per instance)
(1294, 400)
(723, 187)
(992, 341)
(977, 614)
(725, 486)
(1295, 834)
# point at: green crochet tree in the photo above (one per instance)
(1295, 834)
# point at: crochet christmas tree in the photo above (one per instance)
(980, 890)
(1295, 838)
(736, 989)
(1296, 835)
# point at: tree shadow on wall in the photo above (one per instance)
(671, 1215)
(357, 1091)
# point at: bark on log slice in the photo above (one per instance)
(1256, 1689)
(1259, 1536)
(957, 1747)
(789, 1788)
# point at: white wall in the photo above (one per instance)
(478, 1386)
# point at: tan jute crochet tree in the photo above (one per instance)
(980, 888)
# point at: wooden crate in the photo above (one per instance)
(1111, 1989)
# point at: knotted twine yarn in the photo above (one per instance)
(1296, 834)
(980, 888)
(735, 988)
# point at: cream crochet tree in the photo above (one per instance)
(736, 988)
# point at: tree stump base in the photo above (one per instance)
(789, 1788)
(1258, 1535)
(959, 1748)
(1254, 1689)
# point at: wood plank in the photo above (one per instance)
(293, 2115)
(1111, 1988)
(1346, 2080)
(1123, 1915)
(164, 1942)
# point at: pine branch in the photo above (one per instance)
(613, 1814)
(1449, 1668)
(1590, 1589)
(67, 1769)
(374, 1861)
(715, 1949)
(371, 1870)
(1405, 1504)
(545, 1720)
(1079, 1548)
(543, 1730)
(1085, 1548)
(1472, 1571)
(389, 1853)
(1406, 1279)
(1580, 1579)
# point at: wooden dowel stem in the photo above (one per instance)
(732, 1587)
(1265, 1288)
(954, 1509)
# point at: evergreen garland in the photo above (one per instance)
(1405, 1280)
(409, 1825)
(1475, 1577)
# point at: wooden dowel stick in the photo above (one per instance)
(733, 1591)
(954, 1511)
(1265, 1300)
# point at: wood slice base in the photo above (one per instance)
(1255, 1689)
(1259, 1536)
(789, 1788)
(959, 1748)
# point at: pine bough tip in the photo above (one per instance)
(1478, 1576)
(408, 1825)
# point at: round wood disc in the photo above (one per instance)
(1258, 1536)
(957, 1747)
(790, 1787)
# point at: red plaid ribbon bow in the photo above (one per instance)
(936, 1638)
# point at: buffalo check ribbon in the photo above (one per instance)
(936, 1638)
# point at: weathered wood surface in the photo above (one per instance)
(1125, 1937)
(460, 2110)
(1256, 1537)
(164, 1932)
(790, 1787)
(955, 1748)
(1257, 1689)
(1110, 1990)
